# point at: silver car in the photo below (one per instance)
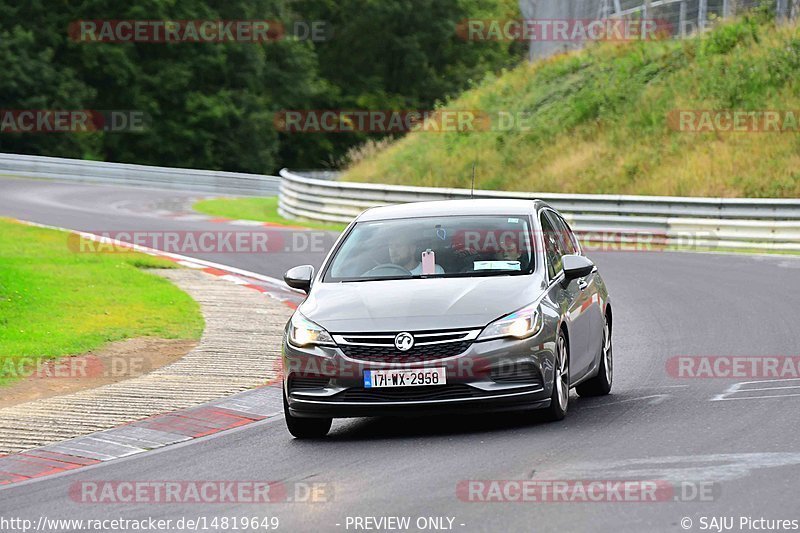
(452, 306)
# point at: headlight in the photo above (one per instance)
(521, 324)
(303, 332)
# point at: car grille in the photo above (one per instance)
(521, 373)
(308, 382)
(416, 394)
(428, 346)
(439, 392)
(417, 353)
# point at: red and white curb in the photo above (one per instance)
(164, 429)
(143, 435)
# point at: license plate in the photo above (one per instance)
(374, 379)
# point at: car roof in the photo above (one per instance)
(499, 206)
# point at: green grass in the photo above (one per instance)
(598, 122)
(259, 209)
(55, 302)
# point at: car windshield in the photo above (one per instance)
(451, 246)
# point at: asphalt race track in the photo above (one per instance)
(741, 449)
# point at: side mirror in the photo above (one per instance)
(576, 266)
(300, 277)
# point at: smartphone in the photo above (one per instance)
(428, 262)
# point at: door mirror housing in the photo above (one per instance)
(300, 277)
(576, 266)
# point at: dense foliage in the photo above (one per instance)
(211, 105)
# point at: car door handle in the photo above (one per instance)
(582, 284)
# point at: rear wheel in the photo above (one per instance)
(559, 399)
(305, 428)
(600, 385)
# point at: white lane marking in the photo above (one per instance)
(245, 223)
(730, 390)
(656, 399)
(762, 397)
(234, 279)
(168, 448)
(741, 388)
(770, 388)
(191, 264)
(716, 467)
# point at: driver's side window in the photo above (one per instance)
(551, 246)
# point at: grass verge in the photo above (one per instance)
(55, 302)
(602, 121)
(258, 209)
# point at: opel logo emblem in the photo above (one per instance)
(404, 341)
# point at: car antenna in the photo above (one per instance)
(472, 190)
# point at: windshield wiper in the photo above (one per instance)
(488, 273)
(361, 280)
(475, 274)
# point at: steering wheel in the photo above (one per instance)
(388, 270)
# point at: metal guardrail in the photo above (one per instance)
(678, 18)
(184, 179)
(772, 224)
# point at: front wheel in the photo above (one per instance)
(305, 428)
(559, 399)
(600, 385)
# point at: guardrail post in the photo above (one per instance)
(682, 20)
(780, 10)
(702, 14)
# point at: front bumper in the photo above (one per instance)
(322, 382)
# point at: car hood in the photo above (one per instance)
(418, 304)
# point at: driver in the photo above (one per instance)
(402, 250)
(508, 251)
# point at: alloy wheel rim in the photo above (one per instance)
(607, 352)
(562, 385)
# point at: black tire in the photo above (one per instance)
(305, 428)
(559, 399)
(600, 385)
